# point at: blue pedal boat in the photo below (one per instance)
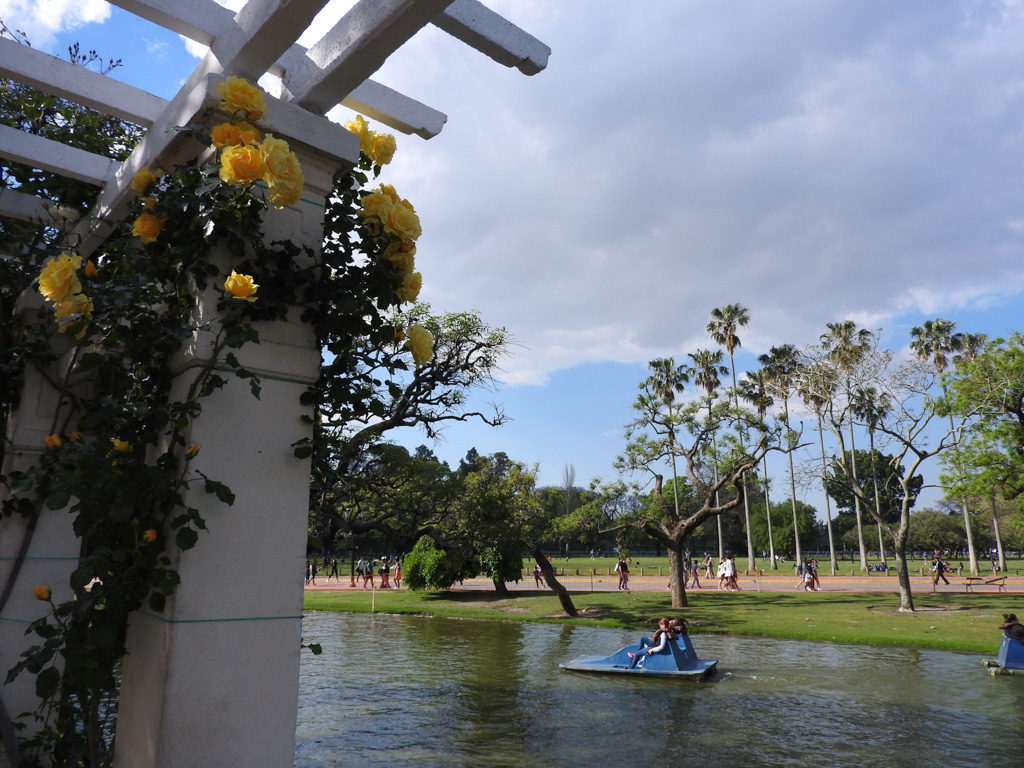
(1010, 660)
(678, 660)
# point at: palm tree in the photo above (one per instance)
(872, 407)
(706, 369)
(782, 364)
(817, 385)
(935, 342)
(666, 381)
(754, 389)
(845, 346)
(722, 327)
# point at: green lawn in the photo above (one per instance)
(954, 622)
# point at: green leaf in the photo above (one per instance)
(186, 538)
(157, 601)
(47, 683)
(58, 499)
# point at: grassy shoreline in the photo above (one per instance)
(951, 622)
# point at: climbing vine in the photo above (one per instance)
(109, 342)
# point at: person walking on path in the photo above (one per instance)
(940, 571)
(623, 571)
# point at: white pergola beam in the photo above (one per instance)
(78, 84)
(493, 35)
(355, 48)
(205, 20)
(261, 32)
(18, 205)
(48, 155)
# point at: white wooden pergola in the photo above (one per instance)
(213, 681)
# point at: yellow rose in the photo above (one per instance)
(143, 178)
(401, 221)
(41, 592)
(241, 164)
(241, 286)
(358, 126)
(147, 227)
(412, 282)
(391, 192)
(283, 174)
(239, 95)
(374, 205)
(400, 257)
(420, 343)
(228, 134)
(383, 149)
(53, 441)
(149, 536)
(69, 310)
(148, 202)
(121, 446)
(59, 278)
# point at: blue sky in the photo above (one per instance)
(815, 162)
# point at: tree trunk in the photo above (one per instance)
(900, 552)
(676, 575)
(499, 587)
(549, 578)
(972, 553)
(999, 540)
(828, 504)
(856, 502)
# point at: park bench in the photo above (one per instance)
(1000, 580)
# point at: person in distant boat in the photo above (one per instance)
(1011, 627)
(658, 642)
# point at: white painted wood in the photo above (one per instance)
(18, 205)
(78, 84)
(262, 31)
(490, 33)
(49, 155)
(203, 20)
(355, 48)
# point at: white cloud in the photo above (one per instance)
(43, 20)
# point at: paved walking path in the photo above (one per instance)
(768, 582)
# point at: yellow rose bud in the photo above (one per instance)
(411, 285)
(90, 268)
(239, 95)
(241, 286)
(192, 451)
(149, 536)
(41, 592)
(121, 446)
(420, 343)
(241, 164)
(142, 179)
(52, 441)
(147, 227)
(76, 436)
(59, 278)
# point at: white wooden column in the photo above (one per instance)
(54, 549)
(213, 680)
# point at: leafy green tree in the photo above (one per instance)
(428, 567)
(809, 528)
(886, 495)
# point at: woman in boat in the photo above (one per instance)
(658, 642)
(1011, 627)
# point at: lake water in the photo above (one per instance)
(403, 691)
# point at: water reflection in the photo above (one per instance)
(418, 691)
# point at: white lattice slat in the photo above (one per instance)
(18, 205)
(91, 89)
(49, 155)
(490, 33)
